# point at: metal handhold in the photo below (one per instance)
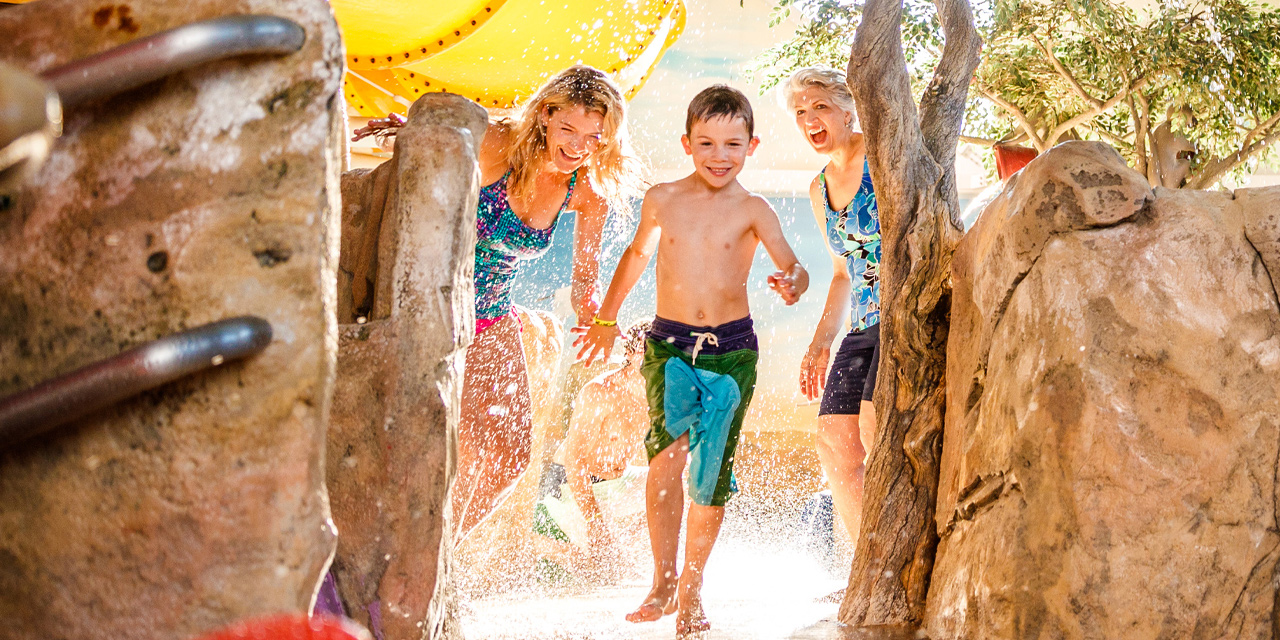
(132, 65)
(56, 402)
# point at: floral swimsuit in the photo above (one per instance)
(502, 241)
(854, 234)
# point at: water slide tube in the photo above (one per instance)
(496, 52)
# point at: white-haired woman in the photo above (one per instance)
(844, 205)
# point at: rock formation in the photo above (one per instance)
(209, 194)
(1113, 411)
(406, 305)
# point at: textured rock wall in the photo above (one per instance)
(1113, 418)
(393, 429)
(208, 194)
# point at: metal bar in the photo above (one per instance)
(63, 399)
(134, 64)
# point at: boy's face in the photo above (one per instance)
(719, 148)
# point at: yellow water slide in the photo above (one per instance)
(496, 52)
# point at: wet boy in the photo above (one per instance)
(700, 356)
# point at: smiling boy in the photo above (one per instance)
(700, 356)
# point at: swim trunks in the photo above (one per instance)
(699, 380)
(853, 373)
(503, 240)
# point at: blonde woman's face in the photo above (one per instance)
(573, 135)
(825, 126)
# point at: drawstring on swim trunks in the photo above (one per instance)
(707, 337)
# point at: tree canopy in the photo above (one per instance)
(1188, 85)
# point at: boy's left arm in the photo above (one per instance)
(791, 280)
(588, 236)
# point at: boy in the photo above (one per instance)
(700, 357)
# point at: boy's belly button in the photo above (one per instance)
(701, 315)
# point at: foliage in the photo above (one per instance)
(1060, 69)
(826, 31)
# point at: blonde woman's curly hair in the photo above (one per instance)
(614, 170)
(831, 81)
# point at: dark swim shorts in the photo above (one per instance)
(700, 381)
(852, 378)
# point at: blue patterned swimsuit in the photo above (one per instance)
(502, 241)
(854, 234)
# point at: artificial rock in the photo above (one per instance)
(1113, 411)
(407, 308)
(209, 194)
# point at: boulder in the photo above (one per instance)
(1113, 411)
(407, 308)
(208, 194)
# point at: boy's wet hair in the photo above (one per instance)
(719, 101)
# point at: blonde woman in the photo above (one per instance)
(844, 206)
(567, 150)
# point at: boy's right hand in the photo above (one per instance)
(595, 341)
(813, 371)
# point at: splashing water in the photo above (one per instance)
(753, 590)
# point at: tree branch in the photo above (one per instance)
(1258, 130)
(942, 105)
(877, 76)
(1139, 136)
(1218, 168)
(1018, 115)
(1111, 138)
(1090, 114)
(1066, 75)
(981, 142)
(1144, 121)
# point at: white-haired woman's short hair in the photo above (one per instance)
(831, 81)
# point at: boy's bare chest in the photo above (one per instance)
(710, 229)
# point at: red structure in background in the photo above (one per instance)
(291, 626)
(1011, 158)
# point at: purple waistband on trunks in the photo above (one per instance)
(729, 337)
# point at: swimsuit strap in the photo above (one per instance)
(500, 184)
(826, 197)
(573, 180)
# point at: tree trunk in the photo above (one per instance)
(912, 159)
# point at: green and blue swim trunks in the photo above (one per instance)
(700, 381)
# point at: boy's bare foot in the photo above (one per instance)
(661, 601)
(690, 618)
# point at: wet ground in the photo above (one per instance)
(752, 592)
